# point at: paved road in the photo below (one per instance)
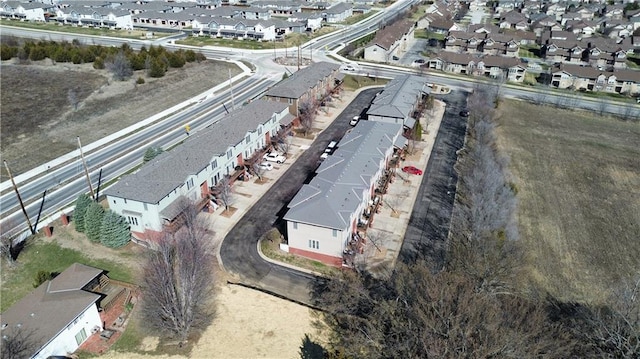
(239, 252)
(428, 226)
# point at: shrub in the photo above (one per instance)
(41, 277)
(140, 80)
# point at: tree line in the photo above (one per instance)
(121, 61)
(476, 307)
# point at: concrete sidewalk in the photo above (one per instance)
(388, 226)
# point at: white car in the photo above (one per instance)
(354, 120)
(266, 166)
(274, 157)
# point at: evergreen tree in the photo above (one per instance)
(151, 153)
(93, 221)
(115, 231)
(82, 203)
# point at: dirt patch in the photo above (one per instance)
(577, 176)
(39, 122)
(229, 212)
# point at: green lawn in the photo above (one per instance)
(47, 255)
(357, 18)
(127, 34)
(352, 82)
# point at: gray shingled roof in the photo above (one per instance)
(335, 192)
(398, 97)
(301, 81)
(46, 311)
(171, 169)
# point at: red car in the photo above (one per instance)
(412, 170)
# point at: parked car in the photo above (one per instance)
(331, 146)
(266, 166)
(418, 62)
(324, 156)
(274, 157)
(412, 170)
(354, 120)
(464, 113)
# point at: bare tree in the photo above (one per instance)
(418, 314)
(307, 115)
(617, 326)
(18, 343)
(284, 144)
(119, 66)
(484, 228)
(224, 192)
(178, 276)
(258, 170)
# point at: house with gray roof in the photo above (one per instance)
(31, 11)
(312, 83)
(59, 315)
(150, 198)
(338, 12)
(399, 100)
(323, 217)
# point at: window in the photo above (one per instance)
(335, 232)
(145, 206)
(314, 244)
(260, 130)
(295, 225)
(247, 139)
(81, 336)
(229, 154)
(214, 164)
(132, 220)
(189, 184)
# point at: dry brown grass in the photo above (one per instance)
(578, 177)
(38, 123)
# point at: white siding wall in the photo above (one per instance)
(329, 245)
(376, 53)
(65, 343)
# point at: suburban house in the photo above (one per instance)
(399, 101)
(338, 12)
(60, 314)
(31, 11)
(453, 62)
(95, 16)
(391, 41)
(312, 84)
(324, 217)
(500, 67)
(151, 198)
(312, 21)
(234, 28)
(591, 79)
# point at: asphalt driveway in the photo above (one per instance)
(239, 252)
(428, 227)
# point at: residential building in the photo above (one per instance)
(151, 198)
(391, 41)
(60, 314)
(399, 100)
(324, 216)
(586, 78)
(311, 84)
(31, 11)
(338, 12)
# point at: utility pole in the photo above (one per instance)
(15, 188)
(86, 170)
(299, 57)
(233, 104)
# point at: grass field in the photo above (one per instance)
(49, 256)
(578, 180)
(96, 31)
